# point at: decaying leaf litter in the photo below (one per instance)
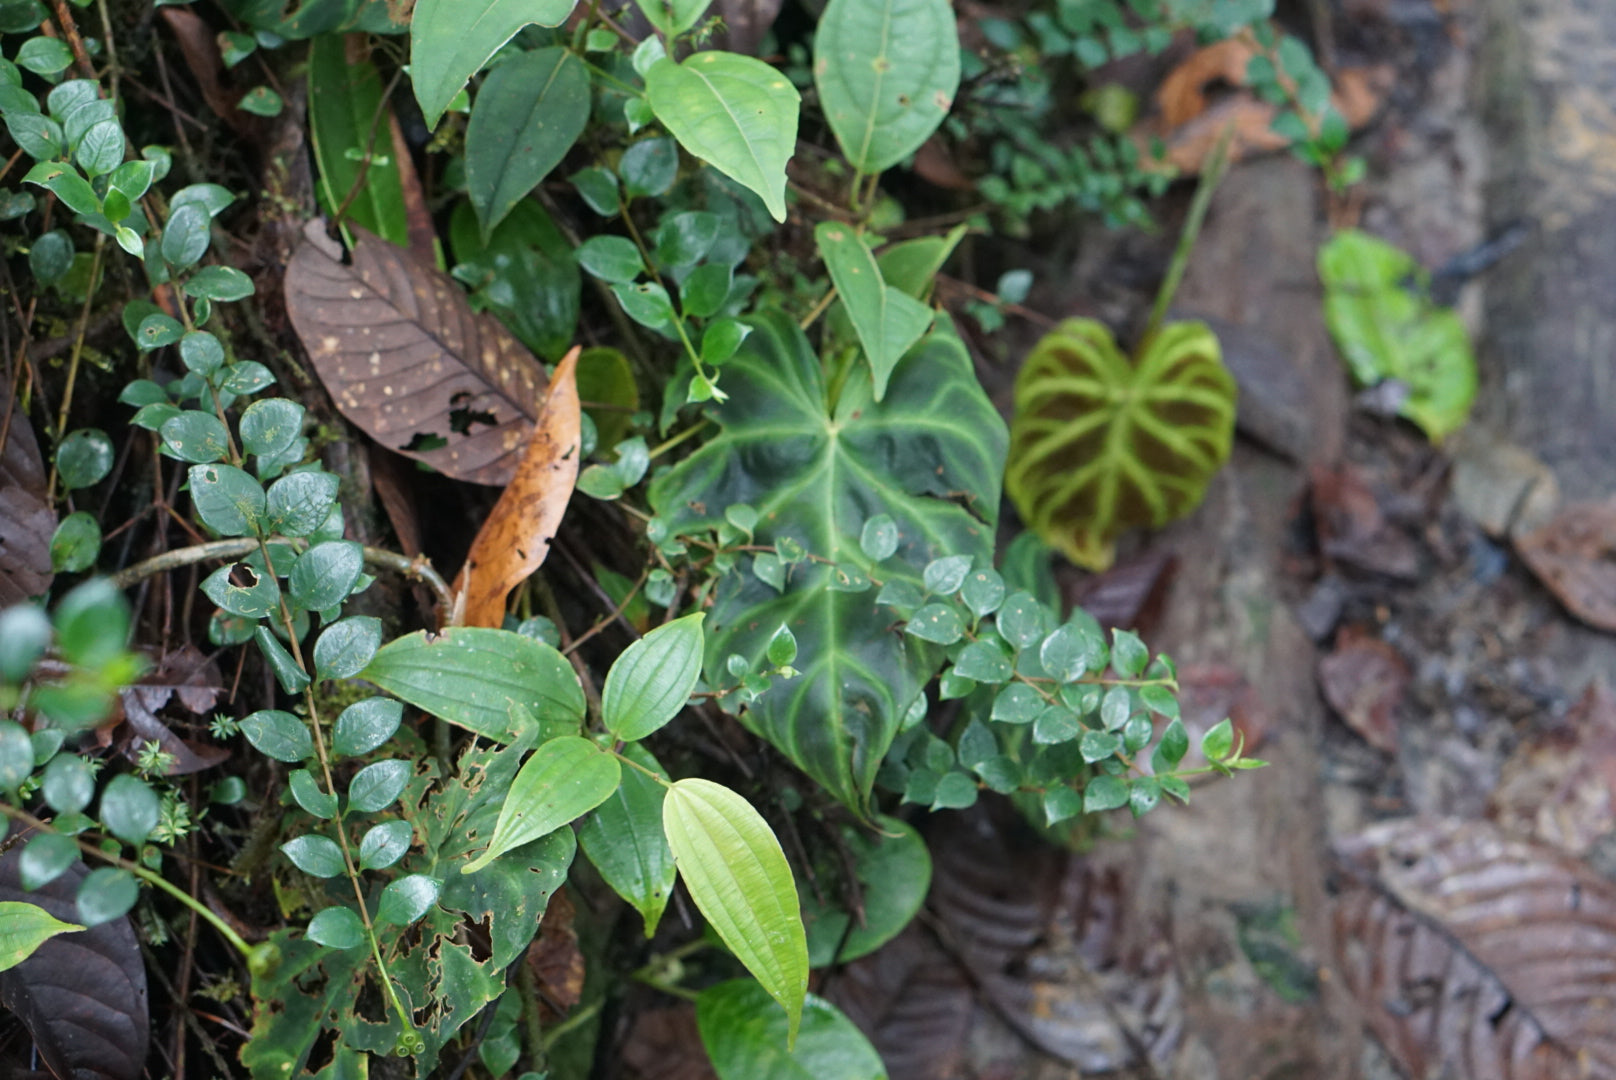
(1487, 648)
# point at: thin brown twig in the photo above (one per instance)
(63, 17)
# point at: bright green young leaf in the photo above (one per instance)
(887, 71)
(1101, 444)
(734, 112)
(24, 928)
(816, 476)
(347, 120)
(738, 876)
(564, 779)
(894, 871)
(887, 320)
(471, 676)
(526, 117)
(1386, 329)
(450, 41)
(623, 839)
(746, 1036)
(653, 679)
(673, 17)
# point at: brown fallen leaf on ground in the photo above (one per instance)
(1574, 555)
(1130, 594)
(27, 518)
(555, 960)
(1479, 956)
(912, 1001)
(183, 674)
(515, 539)
(1364, 680)
(200, 47)
(1354, 530)
(1191, 120)
(664, 1044)
(1560, 785)
(407, 360)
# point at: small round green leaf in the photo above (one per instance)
(613, 259)
(375, 787)
(106, 894)
(261, 101)
(24, 635)
(365, 725)
(649, 167)
(407, 899)
(983, 592)
(937, 623)
(299, 503)
(384, 844)
(308, 794)
(325, 574)
(1104, 793)
(268, 427)
(16, 755)
(101, 148)
(653, 679)
(195, 436)
(84, 458)
(879, 540)
(129, 809)
(69, 784)
(45, 858)
(337, 928)
(241, 590)
(187, 235)
(315, 855)
(44, 56)
(279, 735)
(201, 352)
(228, 500)
(76, 543)
(345, 647)
(223, 283)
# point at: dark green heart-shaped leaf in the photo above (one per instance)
(816, 477)
(1101, 444)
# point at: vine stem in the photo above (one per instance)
(150, 877)
(1211, 176)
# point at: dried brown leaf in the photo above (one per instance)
(664, 1044)
(1479, 956)
(183, 673)
(405, 358)
(555, 960)
(27, 518)
(1353, 528)
(912, 1001)
(515, 539)
(1574, 555)
(1130, 594)
(200, 47)
(1560, 785)
(1364, 680)
(82, 995)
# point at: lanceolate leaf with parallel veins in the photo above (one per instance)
(1101, 444)
(933, 443)
(405, 357)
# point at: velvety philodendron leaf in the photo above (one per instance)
(346, 120)
(745, 1036)
(929, 456)
(450, 41)
(564, 779)
(82, 995)
(1386, 328)
(736, 873)
(887, 71)
(1475, 954)
(736, 113)
(515, 540)
(529, 112)
(471, 676)
(407, 360)
(887, 320)
(1101, 444)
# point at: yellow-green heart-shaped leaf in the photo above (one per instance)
(1101, 444)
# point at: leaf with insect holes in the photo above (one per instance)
(407, 360)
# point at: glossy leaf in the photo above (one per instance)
(407, 899)
(887, 72)
(528, 113)
(747, 1037)
(1385, 329)
(623, 839)
(365, 725)
(887, 320)
(653, 679)
(1101, 444)
(316, 855)
(228, 500)
(337, 928)
(308, 794)
(472, 676)
(346, 646)
(450, 41)
(736, 873)
(815, 477)
(564, 779)
(279, 735)
(384, 844)
(378, 786)
(734, 112)
(129, 809)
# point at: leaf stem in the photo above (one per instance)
(1211, 175)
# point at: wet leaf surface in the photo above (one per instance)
(1574, 555)
(82, 996)
(407, 360)
(1477, 955)
(1364, 680)
(515, 539)
(27, 518)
